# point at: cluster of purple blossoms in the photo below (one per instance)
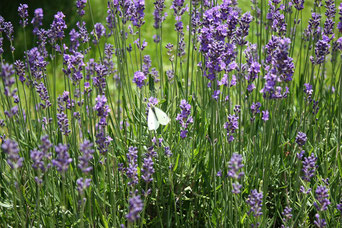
(37, 20)
(330, 20)
(309, 167)
(37, 63)
(321, 50)
(252, 65)
(136, 12)
(23, 14)
(98, 32)
(339, 207)
(287, 215)
(139, 79)
(135, 207)
(87, 155)
(254, 200)
(102, 109)
(107, 58)
(159, 6)
(322, 196)
(301, 139)
(280, 67)
(219, 23)
(132, 169)
(339, 26)
(234, 167)
(1, 45)
(255, 109)
(82, 184)
(319, 222)
(147, 63)
(313, 26)
(147, 169)
(298, 4)
(184, 118)
(276, 19)
(74, 66)
(41, 157)
(231, 126)
(57, 27)
(242, 31)
(140, 45)
(152, 101)
(6, 74)
(63, 159)
(80, 5)
(20, 70)
(7, 28)
(43, 94)
(11, 148)
(63, 123)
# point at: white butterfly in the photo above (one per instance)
(155, 118)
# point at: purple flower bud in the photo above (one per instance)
(23, 14)
(63, 159)
(37, 20)
(82, 184)
(254, 200)
(234, 166)
(301, 139)
(80, 4)
(231, 126)
(139, 78)
(11, 148)
(184, 118)
(87, 155)
(309, 167)
(135, 207)
(322, 196)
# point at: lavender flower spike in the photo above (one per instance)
(135, 207)
(11, 148)
(63, 159)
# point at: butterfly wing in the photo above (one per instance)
(161, 116)
(152, 121)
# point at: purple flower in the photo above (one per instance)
(231, 126)
(37, 20)
(319, 222)
(57, 27)
(300, 155)
(159, 6)
(135, 207)
(339, 207)
(23, 14)
(255, 109)
(287, 215)
(234, 166)
(82, 184)
(98, 32)
(43, 94)
(321, 50)
(102, 109)
(309, 167)
(11, 148)
(80, 4)
(87, 155)
(265, 115)
(254, 200)
(139, 78)
(20, 70)
(141, 46)
(41, 156)
(146, 64)
(147, 169)
(301, 138)
(137, 13)
(63, 159)
(167, 151)
(63, 123)
(184, 118)
(132, 169)
(322, 196)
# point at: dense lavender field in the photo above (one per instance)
(221, 118)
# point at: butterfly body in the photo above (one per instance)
(156, 117)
